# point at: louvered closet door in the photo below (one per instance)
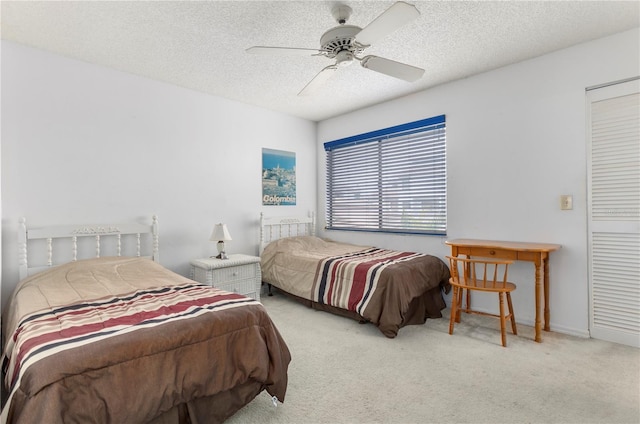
(614, 212)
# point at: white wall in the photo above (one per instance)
(516, 141)
(86, 144)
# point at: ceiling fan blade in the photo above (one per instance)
(392, 68)
(318, 80)
(282, 51)
(397, 15)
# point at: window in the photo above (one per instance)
(390, 180)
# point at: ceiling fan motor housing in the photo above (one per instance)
(339, 39)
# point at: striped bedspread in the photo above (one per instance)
(47, 332)
(349, 281)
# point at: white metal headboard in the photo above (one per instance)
(275, 228)
(76, 232)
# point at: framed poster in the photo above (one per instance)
(278, 177)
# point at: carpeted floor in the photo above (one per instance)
(345, 372)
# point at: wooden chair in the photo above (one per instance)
(487, 275)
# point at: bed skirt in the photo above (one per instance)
(429, 305)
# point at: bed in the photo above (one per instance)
(117, 338)
(387, 288)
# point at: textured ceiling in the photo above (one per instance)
(201, 44)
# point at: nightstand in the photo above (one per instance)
(239, 274)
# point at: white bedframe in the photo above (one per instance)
(114, 235)
(275, 228)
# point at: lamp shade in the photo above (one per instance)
(220, 233)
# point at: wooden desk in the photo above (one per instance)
(538, 253)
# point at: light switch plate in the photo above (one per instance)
(566, 202)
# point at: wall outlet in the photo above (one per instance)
(566, 202)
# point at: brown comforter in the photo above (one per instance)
(124, 340)
(390, 289)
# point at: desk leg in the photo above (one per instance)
(547, 310)
(538, 300)
(468, 291)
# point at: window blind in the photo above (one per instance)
(389, 180)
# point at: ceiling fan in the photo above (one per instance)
(346, 43)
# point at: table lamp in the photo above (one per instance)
(220, 234)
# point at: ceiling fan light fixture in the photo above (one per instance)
(344, 58)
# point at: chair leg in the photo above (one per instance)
(468, 300)
(454, 308)
(513, 317)
(503, 323)
(460, 298)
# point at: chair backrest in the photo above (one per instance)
(479, 273)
